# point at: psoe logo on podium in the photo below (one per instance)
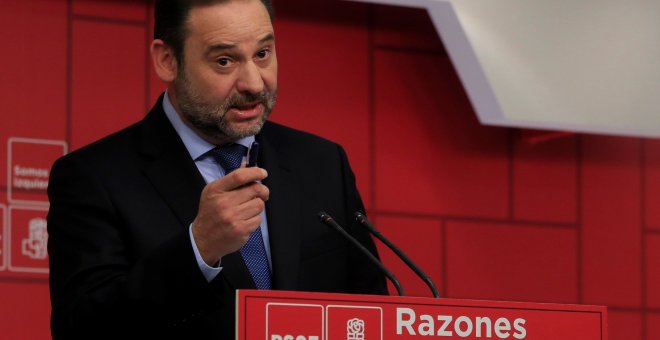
(27, 239)
(354, 323)
(3, 232)
(29, 162)
(290, 321)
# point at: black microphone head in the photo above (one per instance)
(360, 217)
(324, 216)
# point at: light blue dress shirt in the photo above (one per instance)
(198, 149)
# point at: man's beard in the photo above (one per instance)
(211, 118)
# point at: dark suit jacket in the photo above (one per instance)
(121, 261)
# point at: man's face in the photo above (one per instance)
(227, 85)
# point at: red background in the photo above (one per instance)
(489, 213)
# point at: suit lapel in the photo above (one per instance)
(282, 211)
(167, 164)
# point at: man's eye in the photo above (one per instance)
(263, 54)
(224, 62)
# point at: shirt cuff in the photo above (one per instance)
(209, 272)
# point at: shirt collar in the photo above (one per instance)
(197, 147)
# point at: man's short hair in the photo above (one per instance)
(170, 17)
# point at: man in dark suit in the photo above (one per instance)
(148, 228)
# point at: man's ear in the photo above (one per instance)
(165, 63)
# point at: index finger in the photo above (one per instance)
(239, 178)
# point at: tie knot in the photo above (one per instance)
(229, 157)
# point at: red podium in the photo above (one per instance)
(278, 315)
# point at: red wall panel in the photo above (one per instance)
(432, 156)
(25, 310)
(3, 233)
(421, 240)
(624, 325)
(108, 79)
(653, 271)
(545, 180)
(652, 183)
(501, 261)
(611, 230)
(114, 9)
(653, 326)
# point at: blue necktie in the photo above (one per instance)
(253, 252)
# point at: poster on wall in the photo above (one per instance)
(27, 240)
(29, 161)
(24, 237)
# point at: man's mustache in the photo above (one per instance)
(243, 99)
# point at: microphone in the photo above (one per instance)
(327, 219)
(365, 223)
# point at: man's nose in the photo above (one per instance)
(249, 79)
